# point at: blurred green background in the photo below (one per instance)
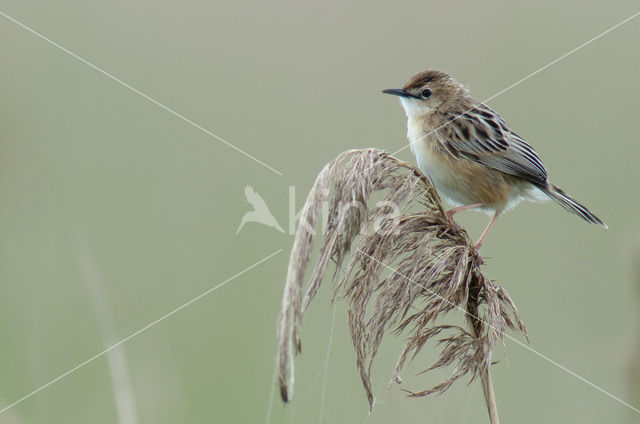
(101, 188)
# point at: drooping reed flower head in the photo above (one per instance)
(409, 267)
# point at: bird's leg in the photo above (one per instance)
(458, 209)
(495, 216)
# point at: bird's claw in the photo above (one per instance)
(479, 259)
(454, 225)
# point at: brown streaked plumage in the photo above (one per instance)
(469, 152)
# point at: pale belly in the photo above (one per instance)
(449, 185)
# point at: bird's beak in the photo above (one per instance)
(399, 92)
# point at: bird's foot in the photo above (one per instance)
(459, 209)
(479, 259)
(454, 225)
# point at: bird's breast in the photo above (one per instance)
(459, 180)
(431, 162)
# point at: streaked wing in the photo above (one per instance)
(482, 135)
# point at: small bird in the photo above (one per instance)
(260, 212)
(469, 153)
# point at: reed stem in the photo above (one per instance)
(485, 372)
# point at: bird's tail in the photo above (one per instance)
(572, 205)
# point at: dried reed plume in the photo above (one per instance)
(407, 271)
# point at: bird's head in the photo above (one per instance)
(427, 91)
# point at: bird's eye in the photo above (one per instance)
(425, 93)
